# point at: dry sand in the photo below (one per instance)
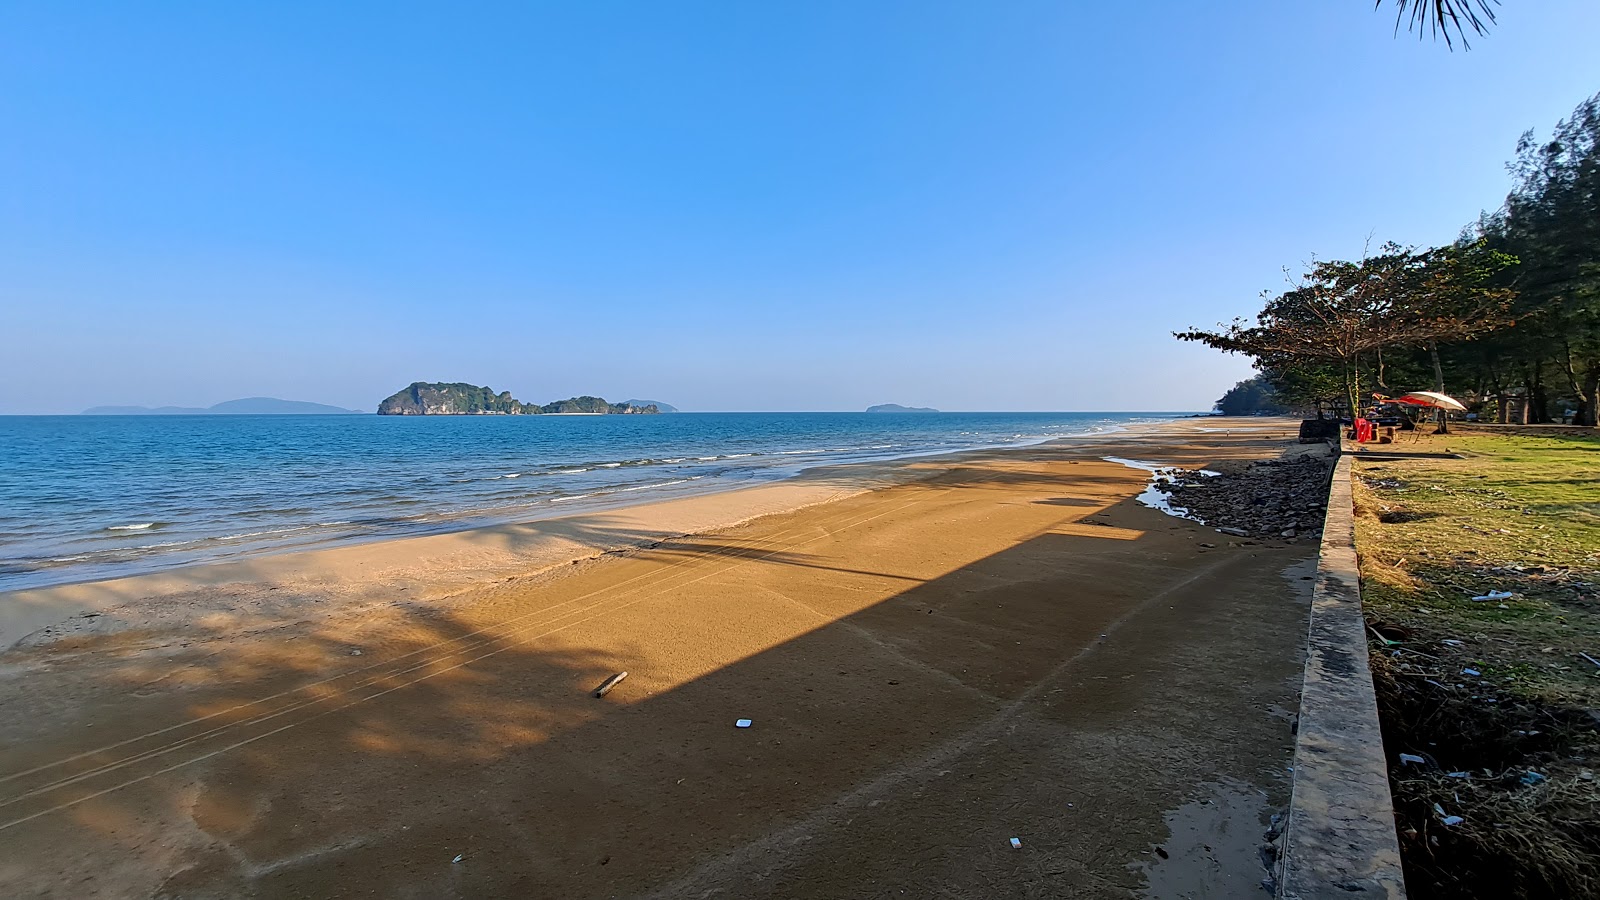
(976, 648)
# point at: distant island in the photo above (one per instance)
(897, 408)
(423, 398)
(662, 407)
(249, 406)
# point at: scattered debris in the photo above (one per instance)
(1016, 843)
(459, 857)
(1493, 595)
(1473, 672)
(606, 686)
(1413, 759)
(742, 723)
(1531, 778)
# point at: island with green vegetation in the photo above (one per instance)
(897, 408)
(423, 398)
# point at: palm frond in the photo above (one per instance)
(1450, 19)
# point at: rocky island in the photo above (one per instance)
(423, 398)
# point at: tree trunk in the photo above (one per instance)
(1589, 397)
(1538, 400)
(1438, 385)
(1583, 387)
(1350, 389)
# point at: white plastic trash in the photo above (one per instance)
(742, 723)
(1016, 843)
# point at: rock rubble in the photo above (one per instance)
(1280, 499)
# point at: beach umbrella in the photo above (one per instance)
(1431, 399)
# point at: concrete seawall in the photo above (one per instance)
(1339, 838)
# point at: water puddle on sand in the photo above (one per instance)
(1213, 847)
(1153, 496)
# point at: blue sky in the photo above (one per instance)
(725, 206)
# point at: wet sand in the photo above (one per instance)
(973, 649)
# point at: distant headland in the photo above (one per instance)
(897, 408)
(423, 398)
(249, 406)
(662, 407)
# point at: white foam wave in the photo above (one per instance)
(645, 487)
(139, 527)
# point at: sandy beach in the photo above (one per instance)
(936, 656)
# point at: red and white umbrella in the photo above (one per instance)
(1432, 400)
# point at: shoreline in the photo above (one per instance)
(468, 492)
(435, 566)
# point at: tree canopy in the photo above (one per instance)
(1508, 316)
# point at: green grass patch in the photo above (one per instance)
(1489, 691)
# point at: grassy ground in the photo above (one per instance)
(1499, 698)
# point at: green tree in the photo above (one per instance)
(1551, 220)
(1343, 312)
(1251, 396)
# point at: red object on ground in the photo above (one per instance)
(1364, 431)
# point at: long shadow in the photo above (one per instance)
(1064, 688)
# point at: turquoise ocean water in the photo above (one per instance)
(91, 497)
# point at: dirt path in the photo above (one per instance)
(1012, 647)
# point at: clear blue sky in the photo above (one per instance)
(725, 206)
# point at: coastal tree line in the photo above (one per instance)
(1507, 317)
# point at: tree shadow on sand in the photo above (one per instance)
(895, 746)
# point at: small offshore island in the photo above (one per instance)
(897, 408)
(423, 398)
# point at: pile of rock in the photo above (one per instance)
(1271, 498)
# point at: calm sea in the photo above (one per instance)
(91, 497)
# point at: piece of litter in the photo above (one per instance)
(1412, 758)
(1016, 843)
(1531, 778)
(1472, 672)
(742, 723)
(1452, 820)
(606, 686)
(459, 857)
(1458, 775)
(355, 652)
(1453, 643)
(1494, 595)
